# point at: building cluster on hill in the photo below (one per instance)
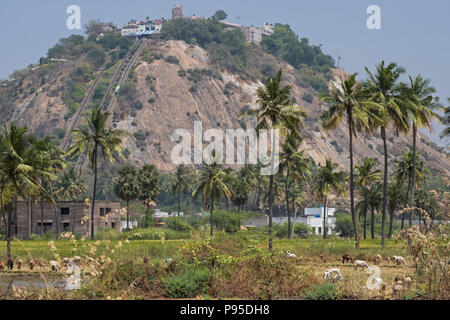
(149, 26)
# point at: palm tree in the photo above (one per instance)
(94, 139)
(366, 175)
(406, 167)
(446, 121)
(395, 201)
(419, 96)
(148, 180)
(241, 191)
(346, 99)
(276, 110)
(181, 183)
(212, 185)
(17, 176)
(382, 88)
(375, 198)
(69, 186)
(126, 187)
(329, 181)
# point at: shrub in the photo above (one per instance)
(189, 284)
(307, 97)
(325, 291)
(172, 59)
(178, 224)
(301, 230)
(227, 221)
(344, 225)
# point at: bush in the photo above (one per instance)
(227, 221)
(344, 225)
(189, 284)
(325, 291)
(178, 224)
(301, 230)
(172, 59)
(307, 97)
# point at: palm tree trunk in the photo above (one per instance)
(372, 223)
(270, 211)
(42, 216)
(365, 223)
(413, 177)
(29, 209)
(74, 215)
(385, 178)
(55, 211)
(295, 219)
(128, 216)
(406, 199)
(287, 203)
(211, 217)
(352, 187)
(179, 203)
(258, 195)
(94, 191)
(391, 218)
(8, 233)
(325, 227)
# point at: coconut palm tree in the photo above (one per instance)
(181, 182)
(418, 94)
(126, 187)
(375, 200)
(406, 167)
(366, 175)
(346, 99)
(383, 89)
(148, 180)
(94, 140)
(17, 175)
(276, 110)
(69, 187)
(396, 195)
(212, 185)
(329, 181)
(446, 121)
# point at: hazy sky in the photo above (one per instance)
(415, 33)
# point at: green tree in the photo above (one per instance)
(212, 185)
(219, 15)
(126, 187)
(329, 181)
(346, 99)
(148, 180)
(93, 139)
(276, 110)
(181, 181)
(383, 89)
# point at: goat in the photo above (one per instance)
(399, 277)
(330, 274)
(376, 260)
(77, 259)
(399, 260)
(397, 289)
(146, 260)
(19, 264)
(361, 263)
(2, 265)
(10, 264)
(347, 258)
(291, 255)
(31, 264)
(54, 265)
(408, 281)
(388, 260)
(379, 284)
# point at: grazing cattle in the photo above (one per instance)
(379, 284)
(361, 263)
(31, 264)
(387, 259)
(19, 264)
(2, 265)
(347, 258)
(376, 260)
(333, 274)
(408, 281)
(10, 264)
(145, 260)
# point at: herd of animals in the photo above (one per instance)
(400, 282)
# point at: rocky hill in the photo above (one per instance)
(170, 85)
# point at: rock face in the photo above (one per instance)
(170, 98)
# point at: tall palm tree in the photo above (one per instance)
(383, 89)
(346, 99)
(181, 182)
(419, 96)
(276, 110)
(69, 187)
(148, 179)
(329, 181)
(212, 185)
(17, 176)
(366, 175)
(95, 139)
(126, 187)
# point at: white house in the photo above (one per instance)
(133, 223)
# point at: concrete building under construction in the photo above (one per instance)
(36, 217)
